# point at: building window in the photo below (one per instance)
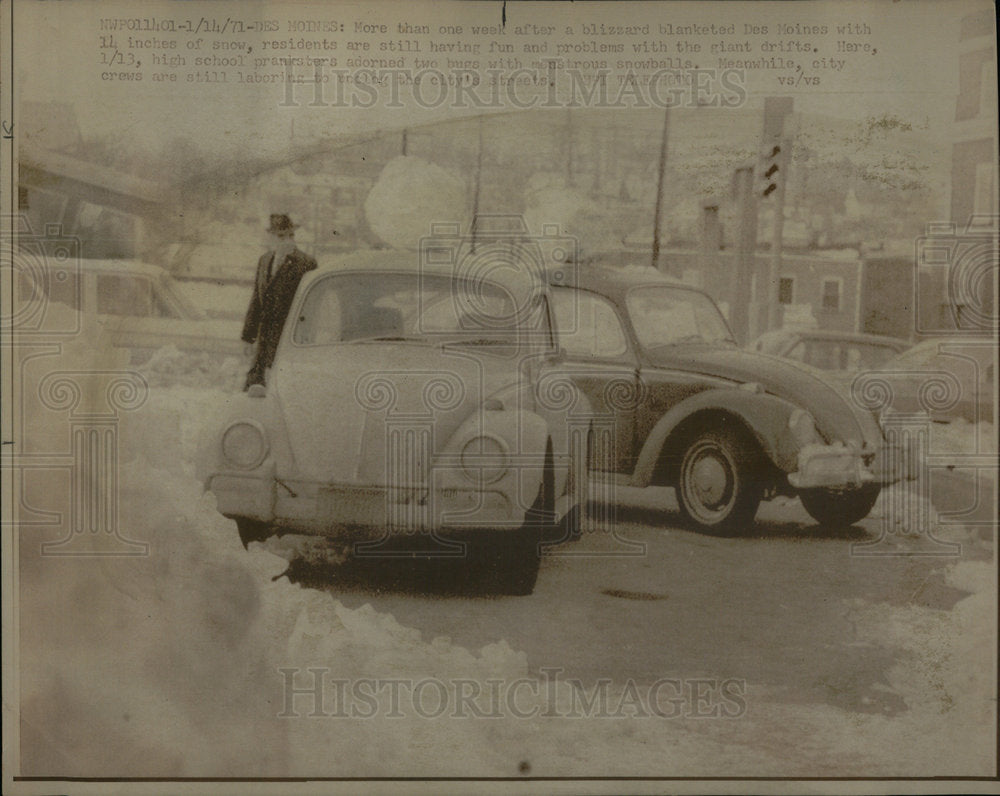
(972, 73)
(831, 295)
(987, 88)
(786, 290)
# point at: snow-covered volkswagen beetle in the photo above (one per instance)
(410, 407)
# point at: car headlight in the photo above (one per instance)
(803, 427)
(484, 458)
(244, 445)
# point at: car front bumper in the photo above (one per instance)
(350, 511)
(841, 467)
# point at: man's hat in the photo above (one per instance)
(281, 223)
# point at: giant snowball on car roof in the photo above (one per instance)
(594, 228)
(410, 195)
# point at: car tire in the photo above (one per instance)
(252, 530)
(508, 564)
(578, 491)
(717, 486)
(840, 508)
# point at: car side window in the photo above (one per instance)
(587, 325)
(826, 355)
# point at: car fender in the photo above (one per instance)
(568, 415)
(766, 417)
(263, 411)
(523, 435)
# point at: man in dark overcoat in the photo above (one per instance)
(278, 274)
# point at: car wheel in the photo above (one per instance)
(252, 530)
(716, 487)
(845, 508)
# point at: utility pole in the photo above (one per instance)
(777, 232)
(746, 243)
(569, 148)
(777, 158)
(711, 236)
(478, 182)
(595, 138)
(657, 212)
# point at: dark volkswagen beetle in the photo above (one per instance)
(677, 403)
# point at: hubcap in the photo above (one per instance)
(708, 482)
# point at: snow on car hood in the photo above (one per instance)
(837, 416)
(340, 402)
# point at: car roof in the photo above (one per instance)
(371, 259)
(610, 281)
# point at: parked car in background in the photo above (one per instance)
(137, 303)
(830, 350)
(950, 378)
(683, 406)
(407, 405)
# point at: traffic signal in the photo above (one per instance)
(771, 170)
(772, 165)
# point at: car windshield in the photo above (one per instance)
(664, 315)
(380, 306)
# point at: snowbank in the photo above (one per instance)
(219, 300)
(961, 436)
(169, 664)
(170, 367)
